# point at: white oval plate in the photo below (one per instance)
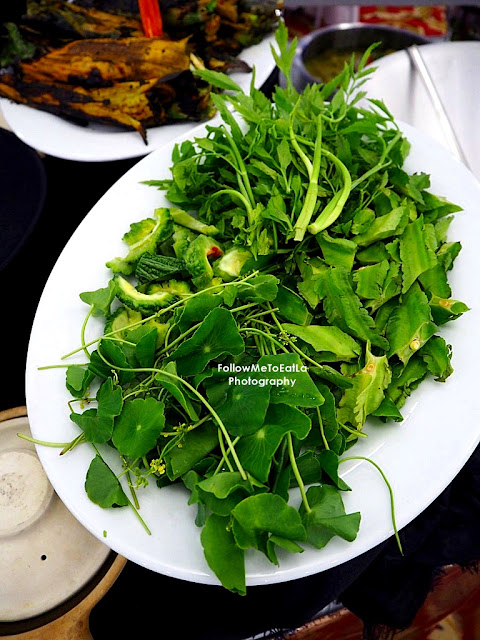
(61, 138)
(420, 456)
(453, 67)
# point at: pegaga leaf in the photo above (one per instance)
(138, 427)
(283, 543)
(102, 485)
(265, 513)
(110, 399)
(256, 451)
(78, 380)
(97, 424)
(327, 517)
(96, 428)
(217, 335)
(290, 383)
(101, 299)
(328, 413)
(176, 389)
(195, 445)
(221, 493)
(145, 339)
(196, 309)
(223, 556)
(329, 462)
(244, 404)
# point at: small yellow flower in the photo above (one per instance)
(157, 466)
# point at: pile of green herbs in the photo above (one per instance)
(246, 345)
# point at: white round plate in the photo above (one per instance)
(420, 456)
(61, 138)
(453, 67)
(45, 554)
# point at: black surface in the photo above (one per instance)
(22, 194)
(72, 188)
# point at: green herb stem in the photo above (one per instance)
(82, 332)
(265, 334)
(322, 430)
(310, 201)
(390, 491)
(296, 472)
(44, 443)
(223, 450)
(335, 207)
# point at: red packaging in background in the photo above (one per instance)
(430, 21)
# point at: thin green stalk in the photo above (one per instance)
(82, 332)
(224, 451)
(179, 339)
(44, 443)
(132, 489)
(287, 339)
(241, 169)
(224, 457)
(236, 194)
(390, 491)
(322, 430)
(78, 440)
(61, 366)
(263, 333)
(296, 473)
(354, 432)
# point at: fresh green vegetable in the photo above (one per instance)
(230, 265)
(152, 267)
(198, 255)
(143, 236)
(184, 219)
(156, 297)
(315, 309)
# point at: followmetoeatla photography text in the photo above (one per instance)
(249, 374)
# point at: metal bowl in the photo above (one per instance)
(348, 36)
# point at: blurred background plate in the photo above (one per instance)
(453, 67)
(63, 139)
(46, 555)
(321, 54)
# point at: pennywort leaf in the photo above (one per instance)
(102, 485)
(138, 426)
